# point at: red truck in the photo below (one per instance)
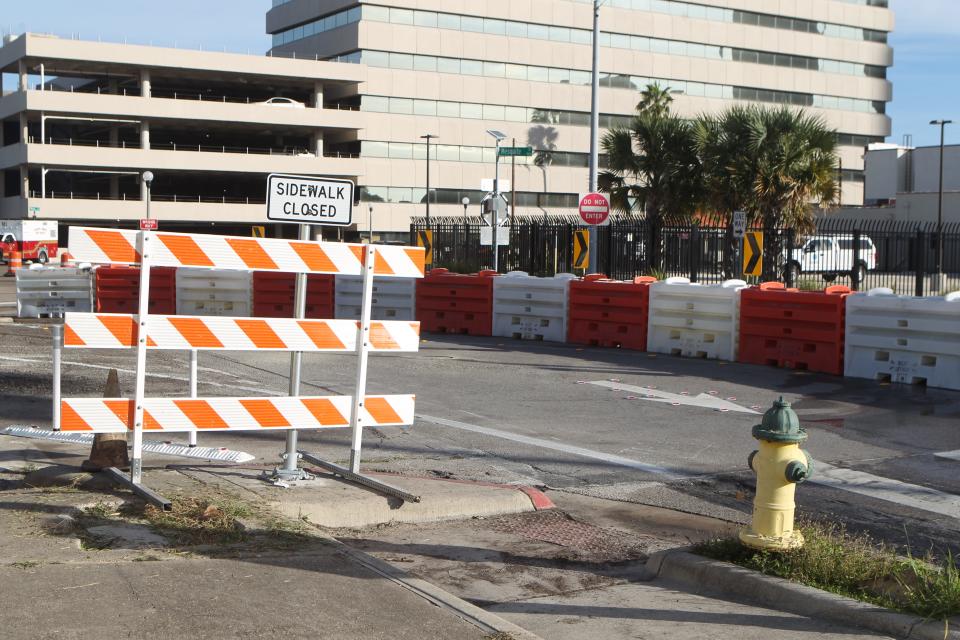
(35, 239)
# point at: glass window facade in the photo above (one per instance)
(618, 81)
(496, 26)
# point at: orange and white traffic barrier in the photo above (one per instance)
(66, 260)
(119, 331)
(144, 331)
(99, 415)
(101, 246)
(14, 263)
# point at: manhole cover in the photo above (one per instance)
(558, 528)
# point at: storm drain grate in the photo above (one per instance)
(560, 529)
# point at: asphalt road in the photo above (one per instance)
(578, 420)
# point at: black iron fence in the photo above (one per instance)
(903, 256)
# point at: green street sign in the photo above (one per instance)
(516, 151)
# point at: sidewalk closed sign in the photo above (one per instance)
(309, 200)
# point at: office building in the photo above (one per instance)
(455, 69)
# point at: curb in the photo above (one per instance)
(486, 621)
(701, 574)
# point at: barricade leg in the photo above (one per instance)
(57, 332)
(363, 351)
(136, 463)
(192, 436)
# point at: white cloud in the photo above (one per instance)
(926, 16)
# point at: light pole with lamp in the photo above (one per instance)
(594, 126)
(499, 136)
(148, 181)
(943, 125)
(428, 138)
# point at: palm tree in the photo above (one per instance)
(776, 162)
(655, 100)
(652, 167)
(726, 188)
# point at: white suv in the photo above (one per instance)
(831, 255)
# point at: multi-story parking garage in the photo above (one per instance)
(83, 120)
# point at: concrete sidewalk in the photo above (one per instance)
(61, 577)
(571, 572)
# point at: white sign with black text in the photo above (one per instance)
(309, 200)
(739, 224)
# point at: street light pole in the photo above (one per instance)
(428, 138)
(494, 216)
(594, 127)
(370, 221)
(148, 181)
(943, 125)
(466, 204)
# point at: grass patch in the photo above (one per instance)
(194, 521)
(855, 566)
(26, 564)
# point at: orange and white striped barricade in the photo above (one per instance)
(145, 332)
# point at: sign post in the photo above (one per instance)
(594, 211)
(304, 200)
(739, 228)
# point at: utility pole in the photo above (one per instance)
(513, 184)
(428, 138)
(594, 126)
(939, 277)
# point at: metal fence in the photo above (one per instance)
(863, 255)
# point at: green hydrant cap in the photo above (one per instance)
(780, 424)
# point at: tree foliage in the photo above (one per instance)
(772, 163)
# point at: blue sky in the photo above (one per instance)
(926, 73)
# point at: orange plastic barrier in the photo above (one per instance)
(273, 295)
(793, 329)
(609, 313)
(118, 289)
(456, 303)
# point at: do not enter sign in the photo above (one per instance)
(595, 209)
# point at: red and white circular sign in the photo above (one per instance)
(594, 208)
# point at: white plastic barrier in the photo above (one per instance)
(51, 291)
(393, 298)
(695, 320)
(207, 292)
(903, 339)
(531, 308)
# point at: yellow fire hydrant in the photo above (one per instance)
(780, 464)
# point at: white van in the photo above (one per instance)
(830, 256)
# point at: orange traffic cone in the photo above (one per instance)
(66, 260)
(15, 263)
